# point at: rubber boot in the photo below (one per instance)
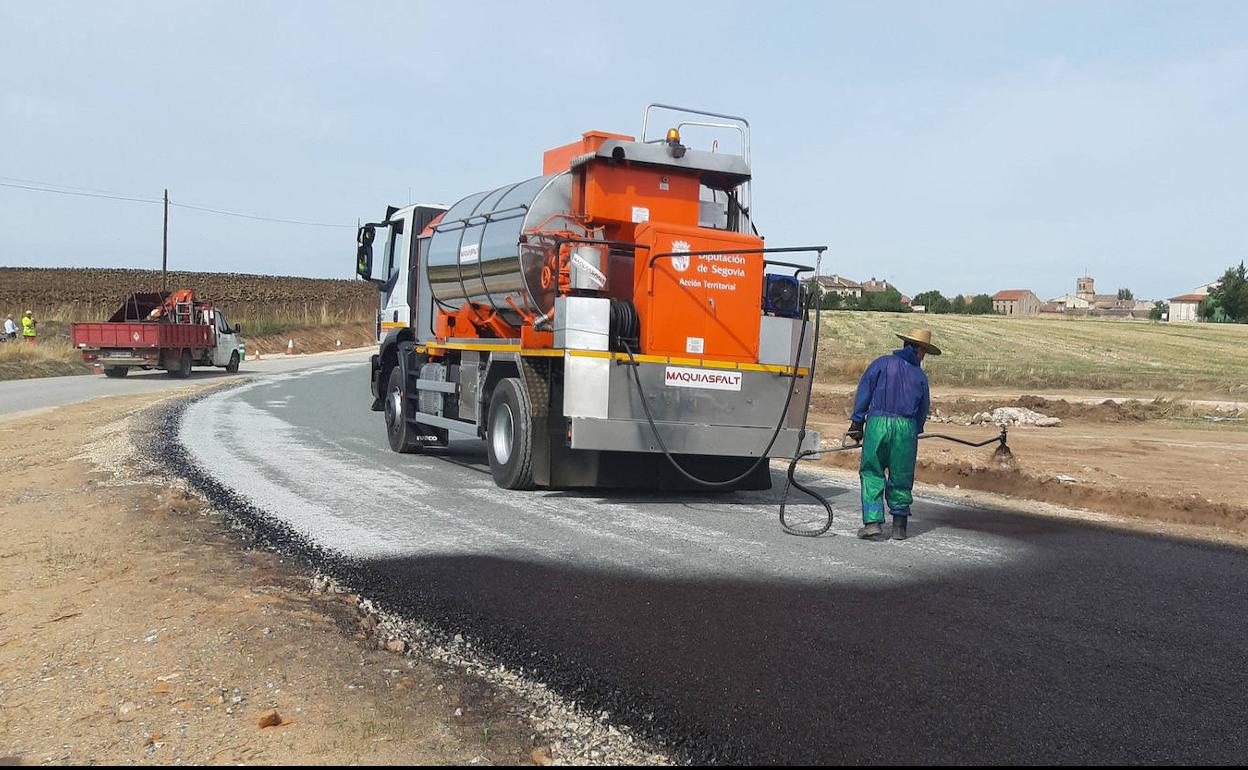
(899, 527)
(871, 532)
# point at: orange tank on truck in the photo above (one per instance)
(615, 321)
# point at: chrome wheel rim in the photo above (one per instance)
(394, 408)
(501, 433)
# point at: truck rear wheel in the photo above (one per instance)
(510, 436)
(184, 366)
(116, 371)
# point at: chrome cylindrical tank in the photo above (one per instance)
(475, 253)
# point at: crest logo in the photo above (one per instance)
(681, 264)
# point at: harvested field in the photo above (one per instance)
(1038, 354)
(263, 304)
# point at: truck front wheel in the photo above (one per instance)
(400, 430)
(509, 437)
(232, 366)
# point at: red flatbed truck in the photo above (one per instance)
(160, 330)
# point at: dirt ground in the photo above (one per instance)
(135, 629)
(1155, 459)
(314, 339)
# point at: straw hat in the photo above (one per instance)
(921, 338)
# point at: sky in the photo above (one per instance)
(959, 146)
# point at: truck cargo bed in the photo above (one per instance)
(138, 334)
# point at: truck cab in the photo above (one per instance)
(396, 274)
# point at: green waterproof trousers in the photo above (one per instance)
(889, 446)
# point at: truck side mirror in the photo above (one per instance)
(238, 329)
(364, 252)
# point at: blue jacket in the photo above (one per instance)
(894, 386)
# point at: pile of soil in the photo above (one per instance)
(962, 409)
(1013, 479)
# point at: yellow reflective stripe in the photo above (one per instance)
(703, 363)
(645, 359)
(684, 361)
(472, 346)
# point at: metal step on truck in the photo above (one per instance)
(173, 331)
(615, 321)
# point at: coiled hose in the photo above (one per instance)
(762, 458)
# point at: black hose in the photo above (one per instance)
(762, 458)
(789, 479)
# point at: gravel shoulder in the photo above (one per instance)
(136, 627)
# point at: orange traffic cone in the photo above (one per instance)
(99, 369)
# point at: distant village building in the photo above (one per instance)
(1016, 302)
(1071, 302)
(1052, 308)
(1085, 301)
(1085, 289)
(1183, 308)
(874, 286)
(839, 284)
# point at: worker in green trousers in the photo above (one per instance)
(890, 410)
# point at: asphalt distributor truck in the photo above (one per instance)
(614, 322)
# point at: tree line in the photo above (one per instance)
(935, 302)
(889, 301)
(1228, 301)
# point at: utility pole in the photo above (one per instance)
(164, 251)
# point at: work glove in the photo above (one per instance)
(855, 432)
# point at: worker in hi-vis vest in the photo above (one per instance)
(30, 331)
(890, 410)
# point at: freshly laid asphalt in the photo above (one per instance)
(987, 637)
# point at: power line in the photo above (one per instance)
(257, 216)
(62, 186)
(83, 192)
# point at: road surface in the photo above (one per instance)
(987, 637)
(18, 396)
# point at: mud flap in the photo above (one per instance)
(535, 379)
(374, 384)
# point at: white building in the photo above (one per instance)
(1183, 308)
(1072, 302)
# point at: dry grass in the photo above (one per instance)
(1050, 353)
(51, 357)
